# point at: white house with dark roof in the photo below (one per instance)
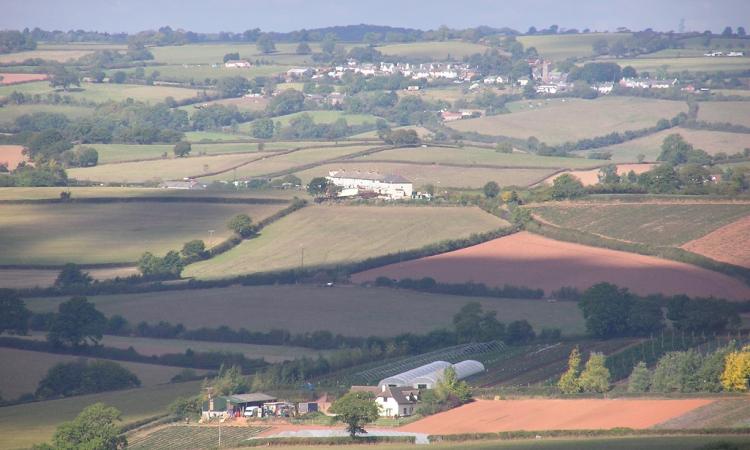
(354, 182)
(392, 401)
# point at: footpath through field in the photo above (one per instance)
(487, 416)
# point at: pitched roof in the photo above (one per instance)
(402, 395)
(372, 176)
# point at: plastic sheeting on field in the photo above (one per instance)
(428, 375)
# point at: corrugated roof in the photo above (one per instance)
(247, 398)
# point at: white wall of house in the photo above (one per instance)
(390, 190)
(389, 407)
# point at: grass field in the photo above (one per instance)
(102, 92)
(655, 224)
(243, 104)
(10, 113)
(692, 64)
(453, 50)
(213, 53)
(339, 234)
(199, 73)
(58, 55)
(151, 346)
(22, 426)
(421, 131)
(27, 278)
(28, 368)
(476, 156)
(319, 117)
(109, 153)
(159, 170)
(712, 142)
(698, 442)
(197, 136)
(273, 164)
(732, 112)
(560, 121)
(345, 309)
(440, 176)
(111, 232)
(563, 46)
(35, 193)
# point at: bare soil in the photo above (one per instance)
(526, 259)
(729, 244)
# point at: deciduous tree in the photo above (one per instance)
(595, 376)
(77, 323)
(14, 316)
(355, 409)
(568, 383)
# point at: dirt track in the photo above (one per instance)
(485, 416)
(525, 259)
(729, 244)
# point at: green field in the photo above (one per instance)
(339, 234)
(440, 176)
(199, 73)
(197, 136)
(111, 232)
(712, 142)
(732, 112)
(558, 121)
(563, 46)
(58, 55)
(22, 426)
(109, 153)
(160, 170)
(26, 193)
(103, 92)
(692, 64)
(243, 104)
(10, 113)
(475, 156)
(319, 117)
(345, 309)
(421, 131)
(447, 50)
(213, 53)
(279, 163)
(153, 346)
(28, 368)
(29, 278)
(654, 224)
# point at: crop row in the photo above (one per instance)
(193, 436)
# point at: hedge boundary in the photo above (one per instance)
(331, 440)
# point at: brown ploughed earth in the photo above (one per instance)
(11, 155)
(14, 78)
(526, 259)
(591, 177)
(729, 244)
(487, 416)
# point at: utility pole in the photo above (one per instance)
(301, 258)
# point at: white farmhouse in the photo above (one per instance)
(392, 187)
(392, 401)
(237, 64)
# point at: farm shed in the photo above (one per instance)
(234, 405)
(427, 376)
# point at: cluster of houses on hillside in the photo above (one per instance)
(730, 54)
(396, 396)
(355, 183)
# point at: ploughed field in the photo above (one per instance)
(525, 259)
(556, 121)
(11, 156)
(335, 234)
(486, 416)
(348, 310)
(112, 232)
(729, 244)
(591, 176)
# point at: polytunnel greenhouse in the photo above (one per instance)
(427, 376)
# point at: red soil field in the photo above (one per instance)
(11, 155)
(487, 416)
(591, 176)
(729, 244)
(15, 78)
(526, 259)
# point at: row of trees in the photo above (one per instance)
(610, 311)
(725, 369)
(594, 377)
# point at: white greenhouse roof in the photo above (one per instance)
(431, 373)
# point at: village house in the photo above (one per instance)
(354, 183)
(189, 185)
(299, 72)
(392, 401)
(450, 116)
(237, 64)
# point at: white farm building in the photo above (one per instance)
(427, 376)
(352, 183)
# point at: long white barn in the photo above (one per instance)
(354, 183)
